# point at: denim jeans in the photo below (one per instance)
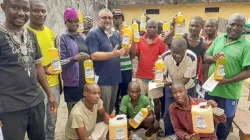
(123, 88)
(229, 106)
(168, 128)
(51, 117)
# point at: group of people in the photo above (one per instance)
(29, 100)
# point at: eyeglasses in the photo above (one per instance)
(106, 18)
(73, 21)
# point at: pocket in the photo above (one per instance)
(231, 106)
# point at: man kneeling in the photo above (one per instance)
(180, 114)
(132, 103)
(81, 124)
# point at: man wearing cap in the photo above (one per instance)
(73, 52)
(126, 65)
(103, 46)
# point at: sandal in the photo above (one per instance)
(161, 133)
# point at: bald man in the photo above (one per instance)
(148, 50)
(180, 112)
(236, 49)
(82, 120)
(180, 64)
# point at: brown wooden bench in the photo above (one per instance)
(247, 81)
(241, 120)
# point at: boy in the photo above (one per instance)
(181, 117)
(132, 103)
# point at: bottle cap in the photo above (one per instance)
(194, 103)
(179, 14)
(111, 116)
(222, 54)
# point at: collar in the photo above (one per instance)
(68, 32)
(144, 37)
(106, 32)
(139, 100)
(187, 108)
(240, 39)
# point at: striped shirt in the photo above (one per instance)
(126, 63)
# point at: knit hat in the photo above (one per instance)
(70, 13)
(88, 20)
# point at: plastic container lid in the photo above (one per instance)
(194, 103)
(222, 54)
(179, 14)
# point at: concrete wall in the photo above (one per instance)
(55, 10)
(167, 12)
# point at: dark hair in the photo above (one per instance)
(198, 18)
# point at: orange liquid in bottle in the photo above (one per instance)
(140, 116)
(55, 61)
(219, 71)
(159, 71)
(89, 71)
(179, 26)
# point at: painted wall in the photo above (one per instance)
(167, 12)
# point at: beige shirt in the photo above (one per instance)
(186, 69)
(81, 116)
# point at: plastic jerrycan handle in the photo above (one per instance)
(120, 117)
(202, 104)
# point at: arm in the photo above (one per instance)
(132, 52)
(82, 133)
(168, 37)
(104, 115)
(65, 59)
(204, 65)
(43, 82)
(242, 76)
(179, 132)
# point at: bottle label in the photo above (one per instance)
(221, 70)
(137, 34)
(143, 24)
(120, 134)
(138, 118)
(125, 40)
(159, 75)
(201, 122)
(56, 64)
(179, 29)
(89, 73)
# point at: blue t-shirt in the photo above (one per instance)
(109, 71)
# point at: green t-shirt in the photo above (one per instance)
(127, 108)
(237, 55)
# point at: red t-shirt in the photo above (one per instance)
(148, 55)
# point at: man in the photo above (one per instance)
(180, 112)
(197, 45)
(21, 98)
(148, 50)
(211, 27)
(132, 104)
(126, 64)
(88, 24)
(103, 49)
(180, 64)
(236, 49)
(82, 120)
(46, 40)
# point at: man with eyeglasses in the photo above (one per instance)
(73, 52)
(236, 49)
(103, 46)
